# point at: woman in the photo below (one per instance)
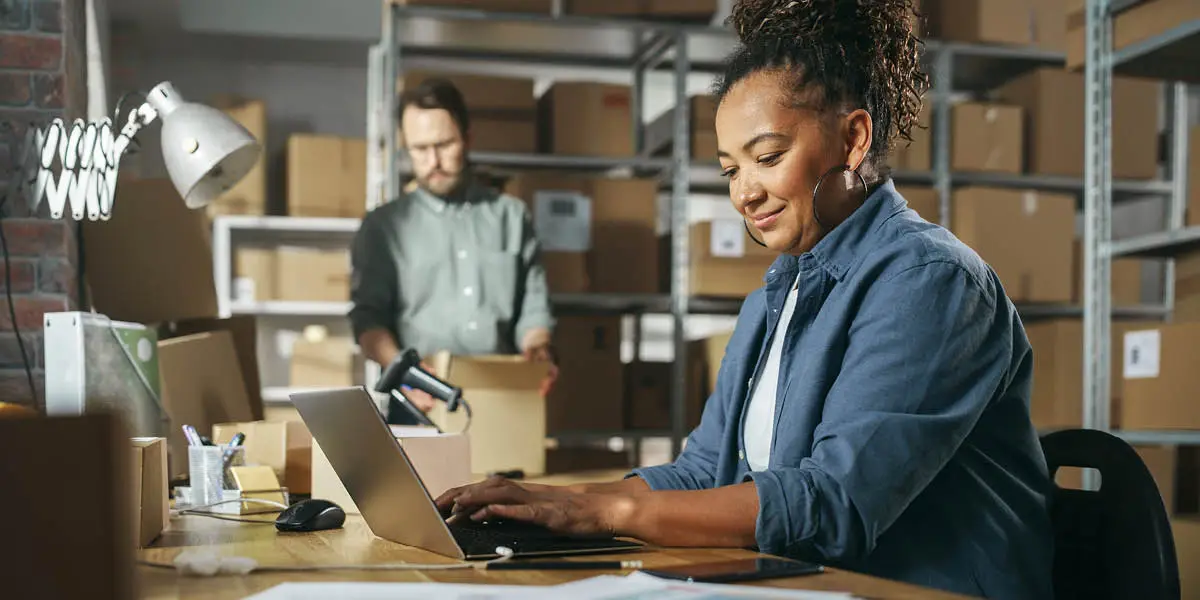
(872, 407)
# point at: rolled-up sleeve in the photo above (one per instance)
(373, 280)
(926, 352)
(535, 301)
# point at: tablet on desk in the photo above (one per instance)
(749, 569)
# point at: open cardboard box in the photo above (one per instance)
(508, 426)
(441, 461)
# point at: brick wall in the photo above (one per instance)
(42, 49)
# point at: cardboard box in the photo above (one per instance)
(442, 461)
(71, 530)
(328, 363)
(1126, 279)
(244, 330)
(586, 119)
(285, 446)
(503, 110)
(924, 200)
(1187, 286)
(202, 385)
(1053, 100)
(566, 272)
(650, 385)
(152, 261)
(1035, 266)
(1057, 398)
(255, 274)
(1160, 378)
(508, 430)
(150, 496)
(248, 196)
(326, 176)
(916, 155)
(312, 275)
(1186, 531)
(678, 9)
(1036, 23)
(1138, 23)
(623, 213)
(987, 137)
(589, 392)
(1193, 207)
(724, 262)
(660, 134)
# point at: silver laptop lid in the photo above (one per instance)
(374, 468)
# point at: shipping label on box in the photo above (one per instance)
(728, 238)
(563, 220)
(1142, 354)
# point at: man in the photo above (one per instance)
(450, 265)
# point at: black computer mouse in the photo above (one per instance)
(311, 515)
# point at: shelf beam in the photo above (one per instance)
(1163, 244)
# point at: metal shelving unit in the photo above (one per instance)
(1146, 59)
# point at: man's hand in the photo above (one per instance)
(555, 508)
(536, 346)
(423, 401)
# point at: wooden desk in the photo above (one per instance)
(355, 544)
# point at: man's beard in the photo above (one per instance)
(447, 185)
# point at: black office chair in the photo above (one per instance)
(1115, 542)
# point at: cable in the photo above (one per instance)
(209, 564)
(12, 311)
(466, 425)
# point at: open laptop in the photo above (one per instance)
(393, 500)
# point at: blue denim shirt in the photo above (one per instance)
(903, 446)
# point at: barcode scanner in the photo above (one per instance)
(406, 371)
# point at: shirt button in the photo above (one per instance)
(462, 254)
(467, 291)
(472, 326)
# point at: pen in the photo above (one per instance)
(193, 438)
(227, 459)
(566, 566)
(238, 439)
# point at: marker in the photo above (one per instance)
(606, 565)
(238, 439)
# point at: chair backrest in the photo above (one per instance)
(1114, 542)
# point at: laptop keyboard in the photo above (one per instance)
(481, 539)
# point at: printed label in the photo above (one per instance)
(1142, 354)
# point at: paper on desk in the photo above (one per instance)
(638, 586)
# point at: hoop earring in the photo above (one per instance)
(747, 226)
(817, 190)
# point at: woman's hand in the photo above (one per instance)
(556, 508)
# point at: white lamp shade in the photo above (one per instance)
(205, 151)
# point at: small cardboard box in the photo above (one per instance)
(1036, 23)
(328, 363)
(1035, 266)
(313, 275)
(249, 195)
(326, 176)
(660, 134)
(285, 446)
(586, 119)
(244, 331)
(508, 427)
(1161, 380)
(442, 461)
(924, 200)
(256, 273)
(150, 488)
(588, 394)
(1126, 279)
(1187, 285)
(1053, 101)
(987, 137)
(724, 261)
(1139, 23)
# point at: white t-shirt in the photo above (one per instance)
(759, 422)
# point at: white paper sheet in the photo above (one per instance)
(637, 586)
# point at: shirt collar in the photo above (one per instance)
(840, 248)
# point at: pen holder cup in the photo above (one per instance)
(208, 468)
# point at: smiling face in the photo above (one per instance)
(774, 149)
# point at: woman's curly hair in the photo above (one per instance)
(853, 53)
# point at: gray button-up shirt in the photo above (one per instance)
(463, 276)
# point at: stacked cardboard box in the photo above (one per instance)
(586, 119)
(326, 176)
(650, 384)
(660, 134)
(924, 200)
(1160, 378)
(503, 111)
(1037, 23)
(1187, 287)
(986, 137)
(248, 196)
(1126, 279)
(1053, 100)
(291, 273)
(1034, 266)
(618, 215)
(589, 392)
